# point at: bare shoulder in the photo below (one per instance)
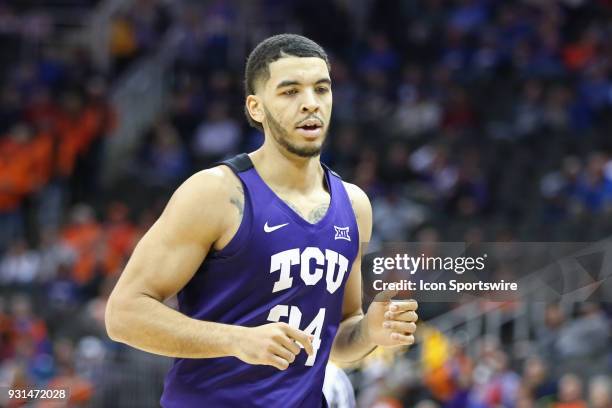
(200, 205)
(215, 180)
(204, 189)
(359, 200)
(362, 208)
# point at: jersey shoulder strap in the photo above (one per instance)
(239, 163)
(331, 171)
(242, 162)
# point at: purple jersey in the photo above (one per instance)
(277, 268)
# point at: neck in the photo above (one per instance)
(287, 171)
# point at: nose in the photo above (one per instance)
(310, 103)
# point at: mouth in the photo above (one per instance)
(310, 128)
(311, 131)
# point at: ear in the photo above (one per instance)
(255, 108)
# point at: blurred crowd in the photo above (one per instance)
(137, 30)
(564, 365)
(52, 302)
(458, 118)
(446, 113)
(58, 261)
(55, 114)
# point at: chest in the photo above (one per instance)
(296, 256)
(312, 207)
(279, 250)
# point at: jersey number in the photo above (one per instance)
(295, 318)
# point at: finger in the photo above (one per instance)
(290, 345)
(283, 353)
(403, 306)
(385, 295)
(276, 361)
(400, 327)
(301, 337)
(401, 339)
(403, 316)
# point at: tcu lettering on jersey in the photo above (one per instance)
(328, 263)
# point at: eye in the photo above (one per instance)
(322, 90)
(290, 92)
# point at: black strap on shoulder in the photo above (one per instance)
(242, 162)
(331, 171)
(239, 163)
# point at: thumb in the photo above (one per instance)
(385, 296)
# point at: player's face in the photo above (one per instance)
(297, 103)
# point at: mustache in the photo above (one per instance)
(315, 117)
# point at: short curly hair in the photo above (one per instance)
(270, 50)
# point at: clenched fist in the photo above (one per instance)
(391, 323)
(272, 344)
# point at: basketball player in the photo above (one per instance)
(264, 254)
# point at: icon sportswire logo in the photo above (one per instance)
(268, 228)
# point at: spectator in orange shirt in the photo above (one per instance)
(570, 392)
(120, 235)
(71, 133)
(99, 120)
(40, 156)
(581, 53)
(15, 157)
(84, 236)
(15, 181)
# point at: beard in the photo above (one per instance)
(281, 135)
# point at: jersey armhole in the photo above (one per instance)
(236, 242)
(353, 216)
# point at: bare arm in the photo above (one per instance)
(162, 263)
(387, 323)
(352, 341)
